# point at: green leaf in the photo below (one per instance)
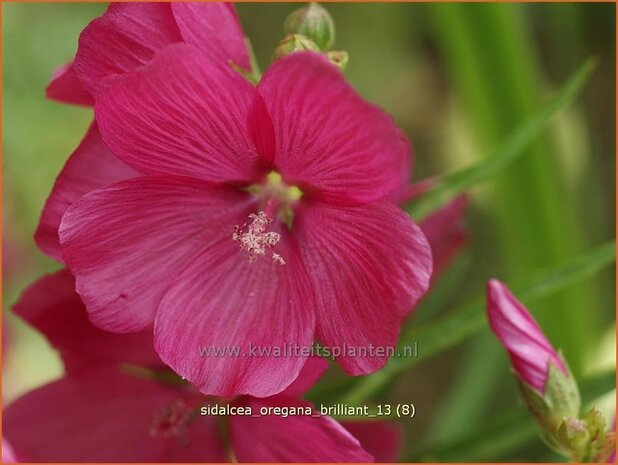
(505, 154)
(460, 324)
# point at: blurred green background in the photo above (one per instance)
(457, 78)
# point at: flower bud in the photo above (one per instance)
(530, 352)
(339, 57)
(547, 387)
(294, 43)
(313, 22)
(573, 433)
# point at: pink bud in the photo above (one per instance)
(529, 350)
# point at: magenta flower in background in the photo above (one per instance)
(530, 352)
(125, 37)
(161, 248)
(447, 233)
(119, 403)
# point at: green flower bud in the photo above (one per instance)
(573, 434)
(339, 57)
(314, 22)
(559, 401)
(294, 43)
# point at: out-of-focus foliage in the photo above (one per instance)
(457, 78)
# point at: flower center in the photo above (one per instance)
(277, 200)
(173, 422)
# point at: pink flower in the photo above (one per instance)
(127, 36)
(530, 352)
(161, 248)
(118, 403)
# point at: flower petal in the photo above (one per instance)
(310, 374)
(369, 266)
(102, 416)
(8, 454)
(66, 88)
(221, 302)
(214, 27)
(379, 438)
(183, 114)
(330, 142)
(52, 306)
(90, 167)
(124, 38)
(295, 438)
(127, 242)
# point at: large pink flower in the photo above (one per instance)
(125, 37)
(118, 403)
(161, 248)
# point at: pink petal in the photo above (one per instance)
(521, 336)
(103, 416)
(52, 306)
(446, 232)
(293, 439)
(330, 142)
(127, 242)
(379, 438)
(215, 28)
(222, 302)
(310, 374)
(183, 114)
(66, 88)
(91, 166)
(124, 38)
(369, 266)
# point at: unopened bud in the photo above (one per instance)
(294, 43)
(314, 22)
(339, 57)
(573, 434)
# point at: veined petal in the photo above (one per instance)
(124, 38)
(222, 306)
(183, 114)
(127, 242)
(52, 306)
(379, 438)
(103, 416)
(310, 374)
(293, 439)
(330, 142)
(369, 266)
(215, 28)
(89, 167)
(66, 88)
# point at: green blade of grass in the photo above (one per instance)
(506, 153)
(460, 324)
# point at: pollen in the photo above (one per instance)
(173, 422)
(255, 239)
